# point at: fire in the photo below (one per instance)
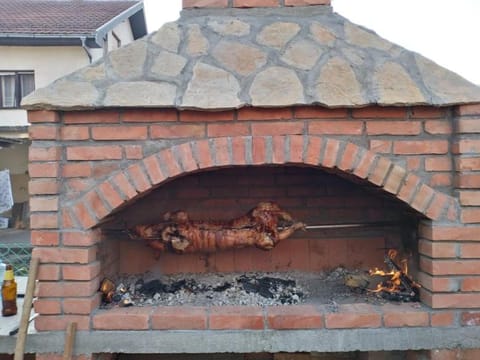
(399, 286)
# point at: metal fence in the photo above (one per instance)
(18, 255)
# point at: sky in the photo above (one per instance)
(445, 31)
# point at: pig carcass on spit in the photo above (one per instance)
(263, 227)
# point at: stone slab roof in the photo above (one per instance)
(57, 17)
(231, 58)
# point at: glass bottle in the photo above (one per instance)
(9, 293)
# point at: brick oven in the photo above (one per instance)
(246, 101)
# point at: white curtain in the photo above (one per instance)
(7, 90)
(6, 195)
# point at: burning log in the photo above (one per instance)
(263, 227)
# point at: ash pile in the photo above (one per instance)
(202, 290)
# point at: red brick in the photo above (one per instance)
(414, 163)
(81, 306)
(379, 172)
(314, 151)
(365, 164)
(471, 318)
(376, 112)
(133, 152)
(278, 149)
(79, 238)
(44, 203)
(453, 267)
(67, 288)
(43, 116)
(470, 109)
(437, 250)
(348, 157)
(438, 127)
(470, 215)
(179, 318)
(91, 117)
(170, 163)
(53, 153)
(238, 150)
(83, 216)
(48, 272)
(110, 195)
(255, 3)
(306, 2)
(450, 233)
(43, 170)
(204, 155)
(411, 147)
(43, 187)
(467, 146)
(221, 153)
(459, 300)
(86, 153)
(470, 284)
(470, 198)
(427, 112)
(331, 153)
(436, 283)
(124, 185)
(468, 181)
(119, 133)
(60, 323)
(154, 171)
(81, 272)
(468, 126)
(235, 317)
(139, 177)
(353, 316)
(438, 164)
(277, 128)
(394, 127)
(422, 198)
(294, 317)
(50, 356)
(381, 146)
(315, 112)
(45, 238)
(65, 255)
(444, 318)
(395, 179)
(74, 133)
(216, 130)
(76, 170)
(178, 131)
(43, 132)
(204, 116)
(47, 307)
(150, 115)
(470, 250)
(408, 188)
(296, 149)
(404, 316)
(132, 318)
(259, 151)
(264, 114)
(43, 221)
(335, 127)
(204, 3)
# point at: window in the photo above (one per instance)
(14, 85)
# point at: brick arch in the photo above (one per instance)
(154, 170)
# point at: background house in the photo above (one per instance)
(41, 41)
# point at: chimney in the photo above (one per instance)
(188, 4)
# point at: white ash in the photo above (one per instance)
(257, 289)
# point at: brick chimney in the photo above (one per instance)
(187, 4)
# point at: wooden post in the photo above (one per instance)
(69, 341)
(27, 308)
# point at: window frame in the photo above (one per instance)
(17, 87)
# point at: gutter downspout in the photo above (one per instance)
(83, 39)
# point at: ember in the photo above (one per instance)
(244, 289)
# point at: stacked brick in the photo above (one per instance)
(250, 3)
